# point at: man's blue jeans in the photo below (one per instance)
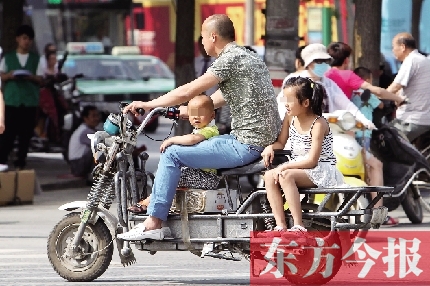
(217, 152)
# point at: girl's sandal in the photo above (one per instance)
(276, 232)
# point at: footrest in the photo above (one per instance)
(369, 189)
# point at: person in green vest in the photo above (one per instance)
(21, 76)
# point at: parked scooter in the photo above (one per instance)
(403, 163)
(55, 107)
(72, 119)
(80, 247)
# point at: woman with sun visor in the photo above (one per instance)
(317, 63)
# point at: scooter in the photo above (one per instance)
(212, 223)
(350, 159)
(351, 162)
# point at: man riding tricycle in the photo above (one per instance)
(222, 220)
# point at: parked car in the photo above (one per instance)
(149, 69)
(106, 79)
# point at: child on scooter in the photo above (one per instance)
(367, 103)
(201, 116)
(312, 163)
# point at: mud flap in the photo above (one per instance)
(182, 197)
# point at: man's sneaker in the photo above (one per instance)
(139, 233)
(4, 167)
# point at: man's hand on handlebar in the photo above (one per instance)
(135, 106)
(183, 112)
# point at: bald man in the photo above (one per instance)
(412, 119)
(245, 85)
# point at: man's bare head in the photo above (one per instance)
(407, 40)
(222, 26)
(403, 44)
(217, 31)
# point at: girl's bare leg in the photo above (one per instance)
(275, 199)
(290, 182)
(376, 176)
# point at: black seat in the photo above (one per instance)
(252, 168)
(256, 166)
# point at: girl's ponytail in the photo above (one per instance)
(317, 100)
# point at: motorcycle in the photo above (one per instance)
(211, 223)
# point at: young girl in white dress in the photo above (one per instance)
(312, 164)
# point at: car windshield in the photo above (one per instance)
(152, 68)
(98, 69)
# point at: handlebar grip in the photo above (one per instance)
(141, 111)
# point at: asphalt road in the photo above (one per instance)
(24, 231)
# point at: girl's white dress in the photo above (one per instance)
(325, 174)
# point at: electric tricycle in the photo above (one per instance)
(209, 223)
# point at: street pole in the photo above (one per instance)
(132, 24)
(249, 34)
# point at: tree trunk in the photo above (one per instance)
(184, 52)
(367, 35)
(13, 16)
(416, 19)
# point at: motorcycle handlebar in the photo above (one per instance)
(168, 112)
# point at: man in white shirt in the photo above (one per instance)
(412, 119)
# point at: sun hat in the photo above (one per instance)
(314, 52)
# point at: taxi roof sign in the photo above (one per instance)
(126, 50)
(85, 48)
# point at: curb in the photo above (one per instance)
(69, 184)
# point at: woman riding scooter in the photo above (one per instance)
(351, 83)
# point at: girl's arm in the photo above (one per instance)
(319, 130)
(283, 135)
(268, 153)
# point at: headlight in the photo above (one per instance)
(347, 121)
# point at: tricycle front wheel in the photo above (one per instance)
(94, 254)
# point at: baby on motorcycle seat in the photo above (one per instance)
(201, 116)
(367, 102)
(312, 163)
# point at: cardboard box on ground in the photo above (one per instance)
(17, 187)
